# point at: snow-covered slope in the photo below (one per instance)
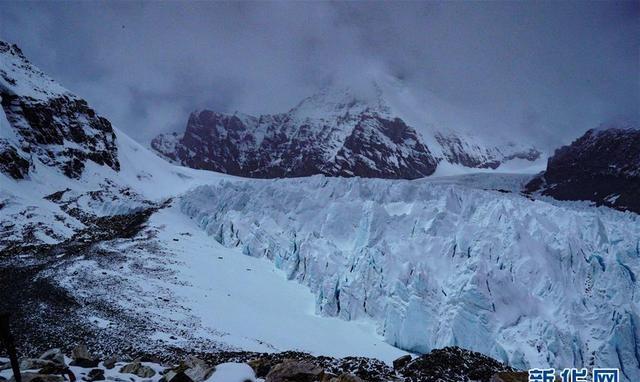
(336, 132)
(101, 256)
(435, 264)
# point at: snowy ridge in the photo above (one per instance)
(528, 282)
(21, 78)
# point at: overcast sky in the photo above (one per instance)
(550, 70)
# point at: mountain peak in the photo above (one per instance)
(333, 102)
(619, 123)
(19, 77)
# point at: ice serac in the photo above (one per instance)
(602, 166)
(336, 132)
(45, 122)
(434, 264)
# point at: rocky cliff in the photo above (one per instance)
(602, 166)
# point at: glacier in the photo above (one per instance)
(447, 261)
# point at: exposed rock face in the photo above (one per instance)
(295, 371)
(452, 364)
(138, 369)
(279, 146)
(12, 162)
(82, 358)
(35, 377)
(602, 166)
(54, 355)
(335, 133)
(46, 122)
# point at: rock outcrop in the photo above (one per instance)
(47, 123)
(450, 364)
(602, 166)
(335, 133)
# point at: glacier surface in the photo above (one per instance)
(440, 262)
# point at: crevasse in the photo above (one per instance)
(439, 263)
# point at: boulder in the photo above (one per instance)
(510, 376)
(176, 376)
(36, 377)
(110, 363)
(346, 378)
(295, 371)
(58, 370)
(54, 355)
(148, 358)
(82, 358)
(197, 369)
(261, 366)
(34, 363)
(94, 375)
(138, 369)
(401, 362)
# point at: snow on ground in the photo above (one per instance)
(195, 293)
(232, 372)
(253, 303)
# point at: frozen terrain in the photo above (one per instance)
(198, 291)
(436, 263)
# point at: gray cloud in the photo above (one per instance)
(546, 69)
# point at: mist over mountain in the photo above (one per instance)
(538, 71)
(373, 131)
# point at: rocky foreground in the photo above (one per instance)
(450, 364)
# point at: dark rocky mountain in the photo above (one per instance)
(268, 147)
(602, 166)
(334, 133)
(47, 122)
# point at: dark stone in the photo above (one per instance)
(110, 362)
(173, 376)
(452, 364)
(510, 376)
(86, 363)
(82, 358)
(55, 369)
(261, 366)
(34, 377)
(11, 162)
(94, 375)
(295, 371)
(138, 369)
(401, 361)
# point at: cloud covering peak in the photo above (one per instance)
(546, 70)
